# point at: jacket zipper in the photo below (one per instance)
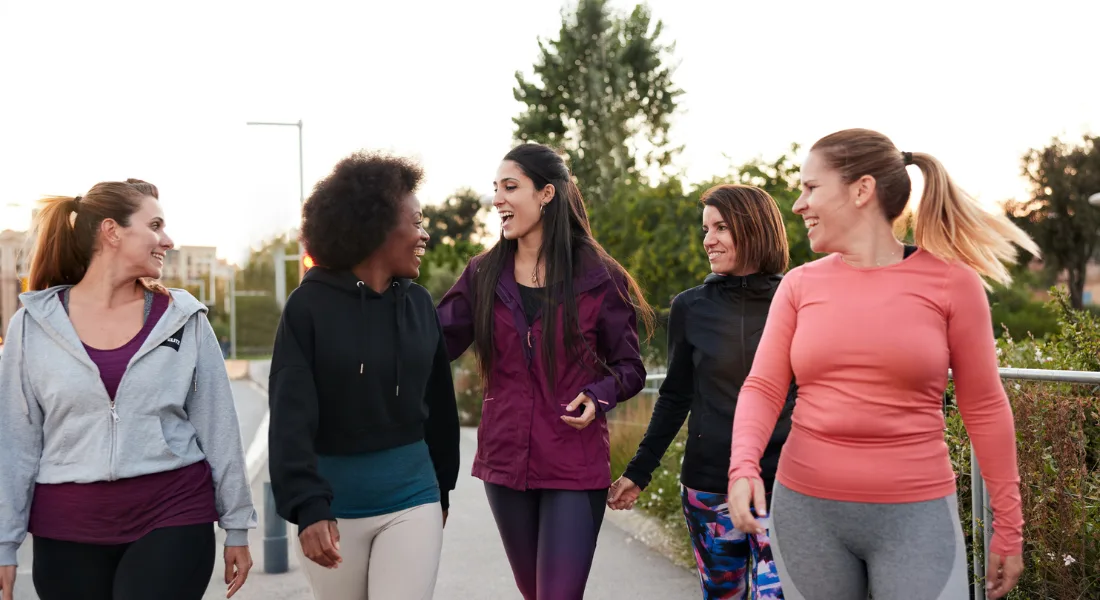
(114, 442)
(744, 353)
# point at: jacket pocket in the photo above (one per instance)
(79, 439)
(494, 448)
(141, 442)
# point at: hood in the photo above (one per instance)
(347, 283)
(45, 308)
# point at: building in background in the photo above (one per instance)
(13, 246)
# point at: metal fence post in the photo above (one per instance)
(275, 542)
(977, 509)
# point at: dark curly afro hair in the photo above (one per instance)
(350, 213)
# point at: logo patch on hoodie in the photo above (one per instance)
(174, 340)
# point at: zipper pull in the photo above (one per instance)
(360, 368)
(397, 391)
(114, 414)
(529, 339)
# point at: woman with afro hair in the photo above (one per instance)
(364, 427)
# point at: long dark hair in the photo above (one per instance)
(567, 244)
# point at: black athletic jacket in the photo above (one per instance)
(713, 332)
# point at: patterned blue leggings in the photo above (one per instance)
(732, 565)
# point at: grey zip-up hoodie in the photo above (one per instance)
(173, 408)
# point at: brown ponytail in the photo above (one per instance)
(66, 229)
(948, 223)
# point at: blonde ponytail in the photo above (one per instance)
(948, 223)
(951, 225)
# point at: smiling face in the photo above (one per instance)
(718, 242)
(518, 202)
(828, 206)
(142, 245)
(407, 241)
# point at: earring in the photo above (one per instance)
(542, 209)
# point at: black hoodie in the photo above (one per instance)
(713, 332)
(354, 371)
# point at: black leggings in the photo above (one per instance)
(171, 563)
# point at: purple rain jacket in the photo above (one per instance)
(522, 441)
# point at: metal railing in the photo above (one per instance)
(981, 512)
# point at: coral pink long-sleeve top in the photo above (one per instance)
(870, 349)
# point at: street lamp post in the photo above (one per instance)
(301, 172)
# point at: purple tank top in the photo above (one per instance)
(122, 511)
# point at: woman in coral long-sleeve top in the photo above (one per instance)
(865, 492)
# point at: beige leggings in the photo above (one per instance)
(389, 557)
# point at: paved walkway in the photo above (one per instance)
(474, 566)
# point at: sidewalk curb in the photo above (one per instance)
(256, 455)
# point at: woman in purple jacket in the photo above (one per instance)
(552, 319)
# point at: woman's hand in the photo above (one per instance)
(1002, 573)
(586, 417)
(321, 543)
(238, 562)
(743, 492)
(624, 493)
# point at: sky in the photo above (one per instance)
(106, 90)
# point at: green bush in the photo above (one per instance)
(468, 389)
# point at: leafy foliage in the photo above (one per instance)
(602, 92)
(1058, 216)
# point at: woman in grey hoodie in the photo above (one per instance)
(121, 443)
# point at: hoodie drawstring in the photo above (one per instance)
(362, 311)
(399, 297)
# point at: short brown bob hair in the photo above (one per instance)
(755, 225)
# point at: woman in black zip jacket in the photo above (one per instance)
(713, 332)
(364, 427)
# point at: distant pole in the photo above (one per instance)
(275, 542)
(301, 200)
(213, 286)
(233, 315)
(301, 174)
(280, 274)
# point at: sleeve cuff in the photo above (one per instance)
(638, 477)
(602, 404)
(7, 554)
(312, 511)
(236, 537)
(445, 499)
(999, 545)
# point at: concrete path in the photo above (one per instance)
(473, 565)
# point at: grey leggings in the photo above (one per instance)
(831, 550)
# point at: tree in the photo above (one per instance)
(655, 231)
(259, 272)
(603, 93)
(457, 219)
(1058, 215)
(456, 228)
